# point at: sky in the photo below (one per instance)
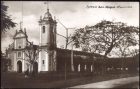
(76, 14)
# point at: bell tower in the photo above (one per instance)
(47, 55)
(47, 30)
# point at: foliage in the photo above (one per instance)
(133, 52)
(6, 21)
(104, 36)
(5, 63)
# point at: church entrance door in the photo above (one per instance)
(19, 66)
(35, 67)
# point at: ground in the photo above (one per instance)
(17, 80)
(129, 82)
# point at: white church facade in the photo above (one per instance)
(46, 59)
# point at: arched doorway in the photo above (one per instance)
(19, 66)
(35, 67)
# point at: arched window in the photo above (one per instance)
(19, 54)
(43, 61)
(43, 29)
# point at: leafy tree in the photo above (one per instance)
(133, 52)
(104, 36)
(126, 52)
(6, 21)
(5, 63)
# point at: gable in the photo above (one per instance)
(20, 34)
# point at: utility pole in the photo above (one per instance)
(72, 65)
(65, 69)
(47, 3)
(20, 25)
(67, 42)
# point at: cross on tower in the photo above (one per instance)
(47, 4)
(20, 25)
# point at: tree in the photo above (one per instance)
(5, 63)
(31, 51)
(6, 21)
(133, 52)
(126, 51)
(104, 36)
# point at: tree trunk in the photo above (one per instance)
(109, 49)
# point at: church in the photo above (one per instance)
(49, 58)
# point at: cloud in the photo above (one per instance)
(30, 22)
(71, 14)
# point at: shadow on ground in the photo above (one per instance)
(53, 80)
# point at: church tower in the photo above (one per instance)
(47, 55)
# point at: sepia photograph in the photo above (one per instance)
(70, 44)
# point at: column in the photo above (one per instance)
(15, 62)
(47, 62)
(39, 62)
(23, 63)
(40, 35)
